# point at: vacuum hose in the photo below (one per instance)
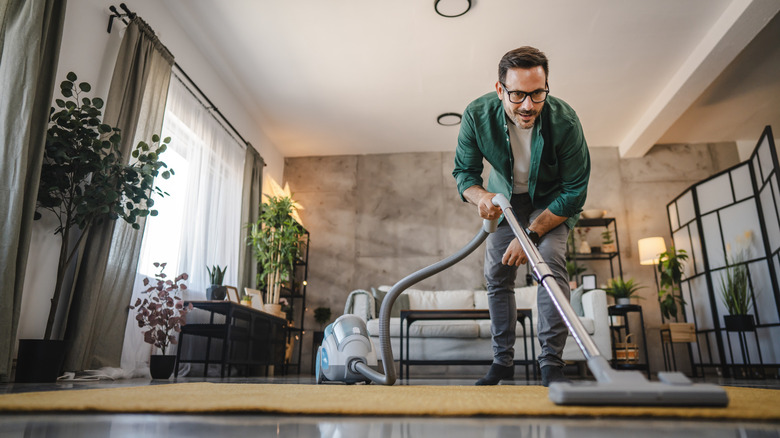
(385, 349)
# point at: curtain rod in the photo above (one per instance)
(211, 106)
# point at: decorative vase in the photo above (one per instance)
(739, 323)
(216, 293)
(274, 309)
(584, 248)
(39, 360)
(161, 366)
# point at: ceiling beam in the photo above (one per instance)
(739, 24)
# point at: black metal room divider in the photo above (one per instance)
(733, 218)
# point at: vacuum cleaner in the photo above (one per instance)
(339, 350)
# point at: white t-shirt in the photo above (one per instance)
(520, 141)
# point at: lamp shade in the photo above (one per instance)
(649, 250)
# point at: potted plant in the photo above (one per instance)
(607, 243)
(622, 291)
(322, 316)
(735, 294)
(84, 181)
(163, 313)
(216, 291)
(670, 268)
(275, 238)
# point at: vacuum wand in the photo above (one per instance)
(543, 275)
(612, 387)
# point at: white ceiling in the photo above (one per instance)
(362, 77)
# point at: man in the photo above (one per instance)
(540, 161)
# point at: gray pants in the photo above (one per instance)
(500, 278)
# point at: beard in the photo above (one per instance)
(516, 118)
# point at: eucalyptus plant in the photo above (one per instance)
(670, 268)
(84, 179)
(275, 238)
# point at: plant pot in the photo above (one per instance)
(161, 366)
(622, 301)
(274, 309)
(739, 323)
(608, 247)
(39, 360)
(216, 293)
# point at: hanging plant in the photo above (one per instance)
(275, 239)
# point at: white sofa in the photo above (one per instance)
(471, 339)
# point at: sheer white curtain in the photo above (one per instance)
(198, 225)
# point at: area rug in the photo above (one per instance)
(441, 401)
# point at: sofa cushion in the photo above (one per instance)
(441, 300)
(466, 328)
(576, 300)
(401, 303)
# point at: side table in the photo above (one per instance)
(619, 332)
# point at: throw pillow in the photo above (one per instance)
(401, 303)
(576, 300)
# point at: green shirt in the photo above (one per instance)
(560, 162)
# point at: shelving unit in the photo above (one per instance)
(295, 294)
(296, 297)
(606, 223)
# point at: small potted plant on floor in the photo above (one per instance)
(216, 291)
(622, 291)
(163, 313)
(735, 294)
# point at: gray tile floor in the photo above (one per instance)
(239, 425)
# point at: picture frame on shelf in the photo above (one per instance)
(588, 282)
(232, 295)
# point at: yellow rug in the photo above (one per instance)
(446, 401)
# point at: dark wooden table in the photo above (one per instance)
(260, 336)
(410, 316)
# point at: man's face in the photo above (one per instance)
(528, 80)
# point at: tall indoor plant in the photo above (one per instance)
(275, 238)
(670, 268)
(84, 180)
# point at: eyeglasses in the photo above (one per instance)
(537, 96)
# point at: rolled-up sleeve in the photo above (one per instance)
(468, 157)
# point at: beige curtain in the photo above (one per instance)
(135, 104)
(30, 35)
(250, 210)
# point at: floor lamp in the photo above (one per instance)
(650, 248)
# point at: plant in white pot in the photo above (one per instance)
(162, 313)
(84, 181)
(275, 238)
(622, 290)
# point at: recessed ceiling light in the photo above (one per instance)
(451, 8)
(449, 119)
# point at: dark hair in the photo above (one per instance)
(523, 57)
